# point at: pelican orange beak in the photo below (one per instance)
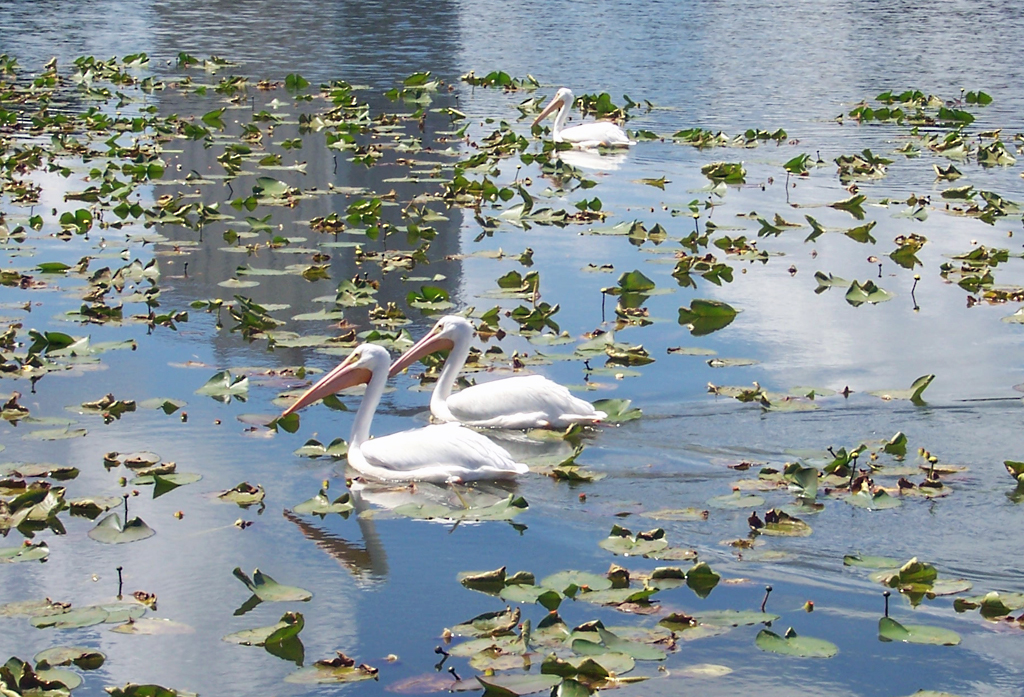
(424, 347)
(345, 375)
(555, 103)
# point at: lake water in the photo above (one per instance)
(384, 584)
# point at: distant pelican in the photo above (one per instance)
(585, 135)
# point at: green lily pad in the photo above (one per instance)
(878, 501)
(612, 643)
(583, 579)
(706, 316)
(868, 292)
(56, 434)
(515, 685)
(320, 505)
(869, 562)
(701, 579)
(489, 624)
(290, 625)
(244, 494)
(597, 667)
(33, 608)
(67, 678)
(617, 410)
(133, 690)
(736, 499)
(522, 593)
(913, 393)
(622, 541)
(84, 658)
(617, 596)
(782, 524)
(166, 405)
(733, 618)
(111, 531)
(341, 669)
(891, 630)
(791, 644)
(991, 605)
(679, 514)
(313, 448)
(267, 589)
(485, 581)
(153, 626)
(26, 552)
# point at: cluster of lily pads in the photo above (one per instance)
(120, 145)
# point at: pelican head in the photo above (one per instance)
(356, 369)
(449, 331)
(563, 99)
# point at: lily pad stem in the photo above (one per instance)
(451, 669)
(886, 594)
(120, 582)
(767, 592)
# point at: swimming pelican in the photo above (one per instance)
(530, 401)
(585, 135)
(446, 452)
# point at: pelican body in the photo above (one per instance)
(530, 401)
(441, 453)
(585, 135)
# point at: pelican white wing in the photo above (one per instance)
(436, 453)
(530, 401)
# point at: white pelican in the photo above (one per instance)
(585, 135)
(447, 452)
(530, 401)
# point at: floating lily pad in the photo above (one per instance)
(489, 624)
(791, 644)
(27, 552)
(56, 434)
(615, 644)
(153, 626)
(515, 685)
(33, 608)
(891, 630)
(313, 448)
(705, 670)
(486, 581)
(133, 690)
(736, 499)
(582, 579)
(869, 562)
(622, 541)
(288, 628)
(333, 671)
(617, 410)
(522, 593)
(111, 531)
(784, 525)
(244, 494)
(164, 404)
(267, 589)
(679, 514)
(876, 501)
(913, 393)
(706, 316)
(321, 505)
(84, 658)
(991, 605)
